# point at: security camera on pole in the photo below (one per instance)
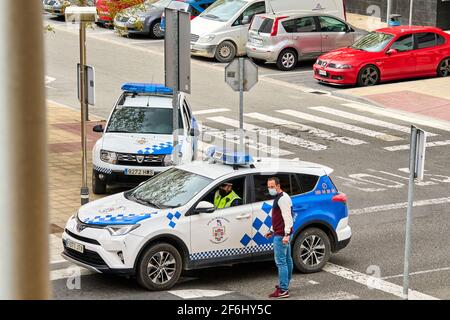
(83, 15)
(177, 64)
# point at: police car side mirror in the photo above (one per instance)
(205, 207)
(98, 128)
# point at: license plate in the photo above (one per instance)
(48, 8)
(322, 72)
(256, 41)
(75, 246)
(139, 172)
(218, 155)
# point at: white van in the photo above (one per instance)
(221, 30)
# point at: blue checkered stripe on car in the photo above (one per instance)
(161, 148)
(229, 252)
(258, 243)
(173, 217)
(119, 219)
(102, 170)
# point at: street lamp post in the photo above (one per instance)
(83, 15)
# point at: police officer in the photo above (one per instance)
(225, 197)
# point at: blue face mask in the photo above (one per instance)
(272, 192)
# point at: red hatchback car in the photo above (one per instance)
(387, 54)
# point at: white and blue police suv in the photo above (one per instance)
(138, 137)
(169, 223)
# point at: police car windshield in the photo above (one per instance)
(142, 120)
(169, 189)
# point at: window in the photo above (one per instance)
(373, 42)
(328, 24)
(256, 8)
(169, 189)
(142, 120)
(223, 10)
(425, 40)
(404, 43)
(306, 24)
(288, 183)
(307, 182)
(238, 188)
(266, 26)
(440, 40)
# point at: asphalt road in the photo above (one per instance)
(362, 143)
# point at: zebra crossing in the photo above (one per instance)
(319, 128)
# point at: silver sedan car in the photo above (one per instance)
(285, 39)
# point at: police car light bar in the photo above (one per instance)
(229, 158)
(155, 88)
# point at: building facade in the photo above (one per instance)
(425, 12)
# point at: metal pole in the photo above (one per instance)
(412, 166)
(176, 67)
(388, 14)
(24, 271)
(84, 191)
(411, 6)
(241, 103)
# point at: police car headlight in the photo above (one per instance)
(168, 161)
(120, 230)
(108, 156)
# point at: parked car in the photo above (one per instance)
(142, 19)
(137, 141)
(107, 9)
(387, 54)
(194, 7)
(169, 223)
(286, 39)
(58, 7)
(221, 30)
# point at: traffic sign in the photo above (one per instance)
(233, 76)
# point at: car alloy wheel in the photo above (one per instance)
(161, 267)
(288, 60)
(369, 76)
(156, 30)
(444, 68)
(312, 250)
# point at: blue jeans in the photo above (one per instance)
(283, 260)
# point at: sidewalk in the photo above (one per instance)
(64, 162)
(429, 97)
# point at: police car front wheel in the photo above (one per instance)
(159, 267)
(311, 250)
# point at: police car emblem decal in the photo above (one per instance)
(141, 141)
(218, 230)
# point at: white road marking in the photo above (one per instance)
(304, 128)
(376, 283)
(367, 120)
(69, 272)
(250, 143)
(418, 272)
(198, 293)
(274, 134)
(313, 282)
(208, 111)
(400, 205)
(339, 295)
(417, 183)
(341, 125)
(416, 119)
(428, 144)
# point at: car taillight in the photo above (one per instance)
(340, 197)
(274, 31)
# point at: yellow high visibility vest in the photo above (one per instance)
(224, 202)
